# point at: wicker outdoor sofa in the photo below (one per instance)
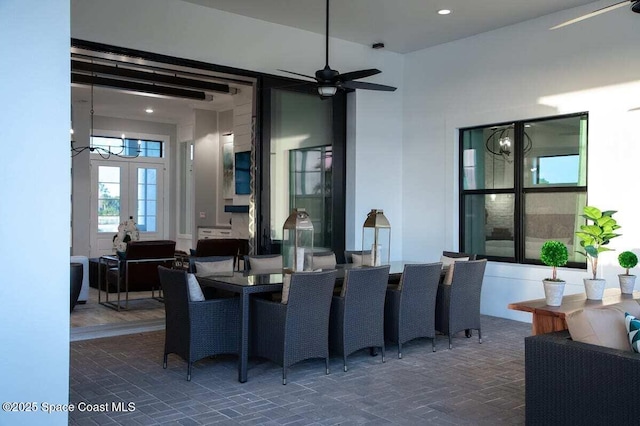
(574, 383)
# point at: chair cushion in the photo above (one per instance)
(265, 263)
(446, 260)
(633, 326)
(204, 269)
(325, 262)
(603, 326)
(195, 292)
(360, 260)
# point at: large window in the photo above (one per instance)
(521, 184)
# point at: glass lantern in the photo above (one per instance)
(297, 242)
(376, 239)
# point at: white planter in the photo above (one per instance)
(627, 282)
(594, 288)
(553, 292)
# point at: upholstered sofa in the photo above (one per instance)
(140, 264)
(568, 382)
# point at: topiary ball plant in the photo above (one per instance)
(554, 253)
(627, 260)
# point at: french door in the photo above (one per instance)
(121, 190)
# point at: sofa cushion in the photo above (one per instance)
(195, 292)
(602, 326)
(633, 326)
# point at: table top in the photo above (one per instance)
(249, 279)
(572, 303)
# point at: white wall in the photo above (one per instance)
(520, 72)
(35, 207)
(185, 30)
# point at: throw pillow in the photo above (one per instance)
(204, 269)
(324, 262)
(448, 277)
(193, 287)
(361, 260)
(447, 261)
(260, 264)
(602, 326)
(286, 284)
(633, 326)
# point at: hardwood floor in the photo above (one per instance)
(92, 320)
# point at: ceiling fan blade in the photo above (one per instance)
(301, 75)
(367, 86)
(354, 75)
(591, 15)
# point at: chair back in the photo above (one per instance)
(466, 287)
(144, 275)
(176, 301)
(309, 304)
(364, 290)
(418, 289)
(263, 263)
(235, 247)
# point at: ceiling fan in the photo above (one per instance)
(328, 80)
(635, 7)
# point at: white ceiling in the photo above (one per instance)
(402, 25)
(121, 104)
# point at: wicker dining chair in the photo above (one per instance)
(298, 330)
(357, 314)
(410, 309)
(195, 330)
(458, 304)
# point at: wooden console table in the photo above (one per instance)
(552, 318)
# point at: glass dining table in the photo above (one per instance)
(247, 283)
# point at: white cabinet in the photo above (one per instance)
(209, 233)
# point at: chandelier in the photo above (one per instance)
(500, 142)
(105, 151)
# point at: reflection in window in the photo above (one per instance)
(489, 224)
(310, 180)
(522, 183)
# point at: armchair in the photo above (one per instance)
(137, 268)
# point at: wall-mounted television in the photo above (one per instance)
(243, 172)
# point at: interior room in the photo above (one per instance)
(440, 155)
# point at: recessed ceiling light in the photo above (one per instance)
(444, 12)
(149, 110)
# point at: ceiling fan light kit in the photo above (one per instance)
(329, 81)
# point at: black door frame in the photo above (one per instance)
(264, 84)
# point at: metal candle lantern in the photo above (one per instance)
(297, 240)
(376, 239)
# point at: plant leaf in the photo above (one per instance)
(592, 213)
(591, 251)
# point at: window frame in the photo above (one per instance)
(519, 190)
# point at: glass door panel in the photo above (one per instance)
(300, 162)
(123, 189)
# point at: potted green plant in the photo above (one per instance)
(554, 253)
(594, 237)
(627, 260)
